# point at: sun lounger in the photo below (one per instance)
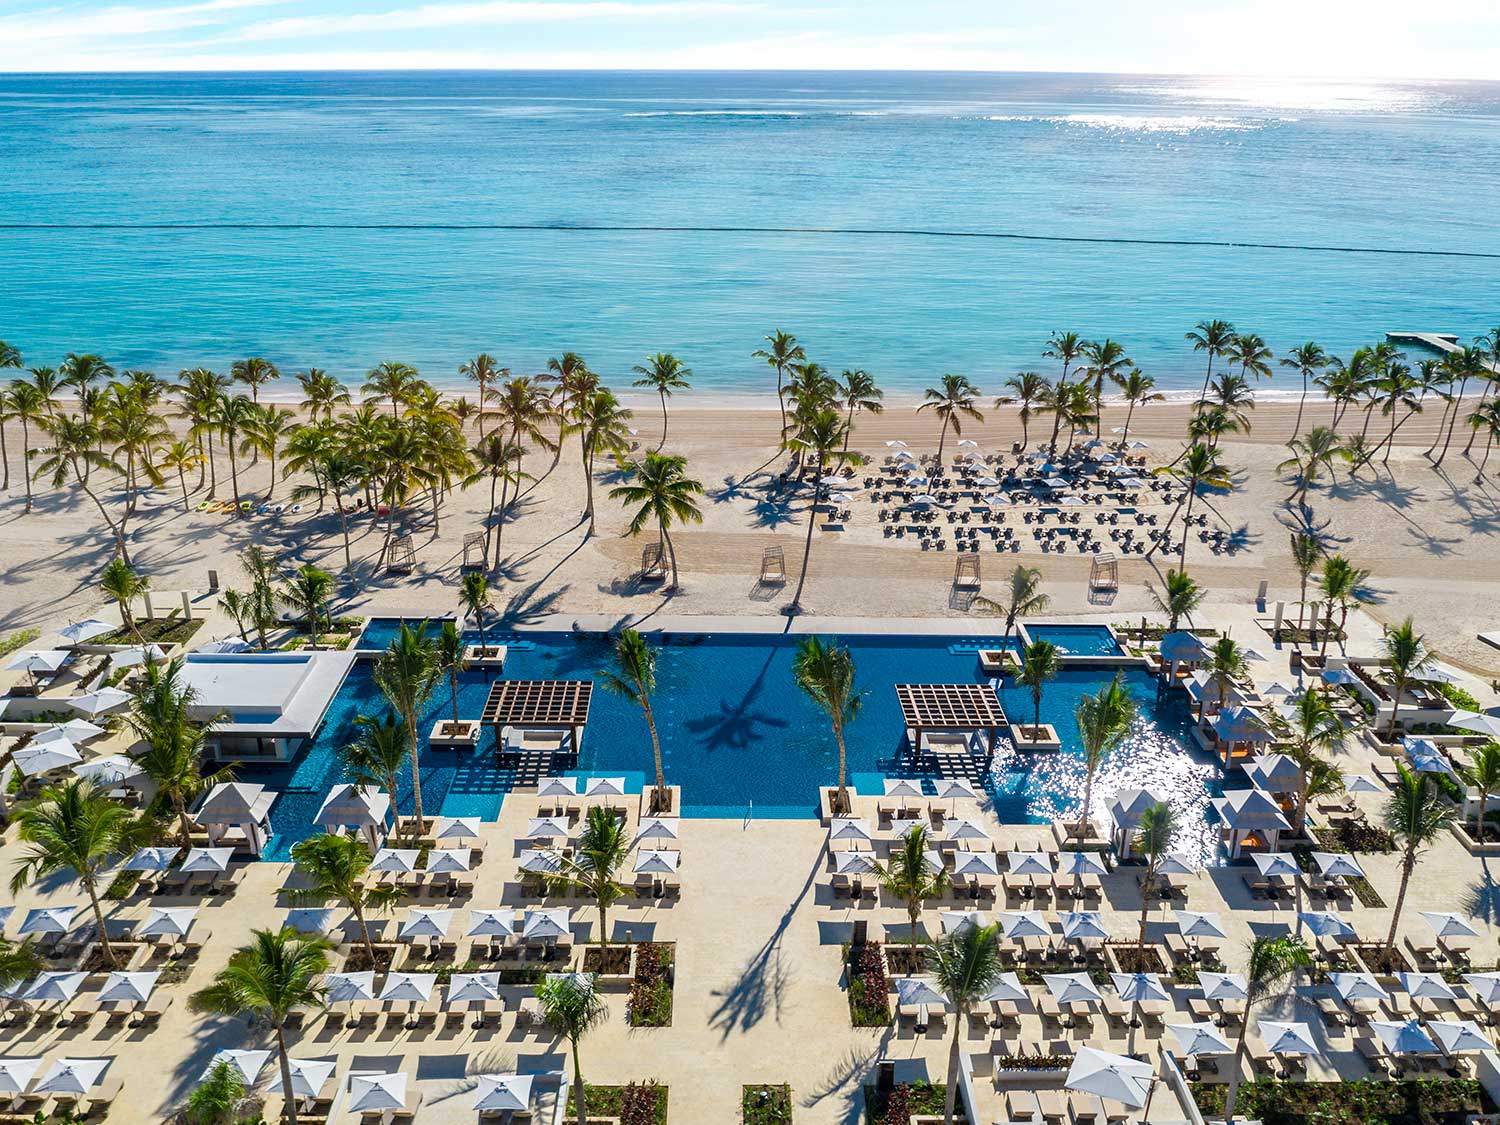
(1022, 1105)
(1054, 1106)
(1083, 1111)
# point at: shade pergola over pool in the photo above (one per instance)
(950, 709)
(549, 705)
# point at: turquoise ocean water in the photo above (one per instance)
(340, 219)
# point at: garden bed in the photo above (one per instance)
(903, 961)
(1032, 1062)
(1382, 960)
(1355, 837)
(1129, 959)
(1187, 972)
(868, 987)
(651, 990)
(1443, 1101)
(1363, 891)
(154, 631)
(766, 1105)
(638, 1103)
(614, 961)
(907, 1100)
(358, 960)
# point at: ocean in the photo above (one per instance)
(910, 224)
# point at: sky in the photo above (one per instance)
(1312, 38)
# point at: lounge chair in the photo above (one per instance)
(1022, 1105)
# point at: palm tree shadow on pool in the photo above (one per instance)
(738, 724)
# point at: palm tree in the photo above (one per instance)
(1312, 728)
(1467, 364)
(574, 383)
(1025, 598)
(393, 381)
(180, 457)
(664, 373)
(277, 974)
(19, 962)
(594, 867)
(910, 876)
(601, 424)
(1486, 418)
(1306, 359)
(321, 392)
(1251, 353)
(1407, 657)
(1215, 337)
(474, 595)
(824, 671)
(122, 584)
(571, 1003)
(952, 401)
(1317, 450)
(175, 742)
(1339, 584)
(377, 756)
(199, 390)
(1153, 841)
(74, 450)
(1307, 550)
(253, 372)
(633, 677)
(1416, 814)
(75, 826)
(260, 567)
(821, 436)
(859, 393)
(273, 425)
(1483, 773)
(237, 417)
(219, 1098)
(449, 653)
(782, 351)
(1272, 961)
(1138, 390)
(965, 965)
(333, 868)
(1104, 720)
(407, 674)
(1067, 347)
(659, 484)
(307, 590)
(1029, 389)
(1106, 361)
(1039, 664)
(1179, 596)
(10, 358)
(24, 403)
(497, 460)
(484, 370)
(237, 605)
(1200, 465)
(1227, 663)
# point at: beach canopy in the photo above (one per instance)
(845, 828)
(109, 770)
(1327, 923)
(1007, 988)
(1486, 986)
(655, 863)
(953, 787)
(1288, 1038)
(100, 702)
(1081, 863)
(970, 830)
(309, 1076)
(1338, 677)
(376, 1093)
(450, 828)
(657, 828)
(1241, 724)
(424, 922)
(47, 920)
(1338, 865)
(499, 1093)
(1200, 1039)
(1084, 925)
(1181, 647)
(1459, 1037)
(971, 864)
(1025, 924)
(16, 1073)
(137, 654)
(473, 988)
(449, 861)
(236, 802)
(557, 787)
(59, 987)
(1358, 986)
(226, 645)
(1359, 783)
(353, 806)
(902, 787)
(247, 1064)
(44, 757)
(604, 787)
(38, 660)
(546, 923)
(1072, 988)
(1425, 757)
(1116, 1077)
(80, 631)
(1139, 988)
(1479, 721)
(854, 863)
(314, 920)
(350, 988)
(1426, 986)
(72, 1076)
(897, 444)
(546, 828)
(915, 991)
(492, 923)
(168, 921)
(1223, 987)
(214, 860)
(1199, 924)
(74, 730)
(1178, 863)
(1250, 810)
(956, 921)
(1029, 863)
(1276, 863)
(541, 861)
(1127, 806)
(1408, 1037)
(413, 988)
(1278, 773)
(1447, 925)
(128, 988)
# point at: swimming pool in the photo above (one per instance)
(1077, 640)
(741, 739)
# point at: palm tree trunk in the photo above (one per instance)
(812, 518)
(671, 555)
(26, 460)
(942, 437)
(1458, 400)
(182, 480)
(1301, 402)
(1400, 686)
(1484, 795)
(234, 473)
(1088, 801)
(588, 483)
(1186, 516)
(1438, 433)
(118, 530)
(348, 554)
(1208, 376)
(838, 734)
(950, 1096)
(416, 774)
(453, 694)
(663, 441)
(364, 926)
(1239, 1063)
(104, 942)
(288, 1099)
(582, 1114)
(1140, 948)
(1129, 414)
(661, 777)
(1483, 394)
(498, 524)
(1408, 865)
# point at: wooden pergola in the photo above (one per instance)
(959, 708)
(539, 705)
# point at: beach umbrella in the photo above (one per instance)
(951, 789)
(850, 828)
(411, 988)
(1116, 1077)
(986, 482)
(1139, 988)
(215, 860)
(38, 660)
(1025, 924)
(1288, 1038)
(854, 863)
(1359, 783)
(314, 920)
(966, 830)
(55, 987)
(74, 730)
(1007, 988)
(38, 758)
(309, 1076)
(1459, 1037)
(537, 861)
(546, 828)
(449, 861)
(376, 1093)
(902, 787)
(1486, 986)
(549, 923)
(902, 826)
(1029, 863)
(138, 654)
(71, 1076)
(87, 630)
(655, 863)
(583, 982)
(604, 787)
(1276, 864)
(1200, 1039)
(1338, 677)
(492, 923)
(1425, 757)
(1139, 445)
(1072, 501)
(956, 921)
(557, 787)
(1407, 1037)
(905, 455)
(1223, 987)
(109, 770)
(1447, 925)
(128, 988)
(973, 864)
(897, 444)
(227, 645)
(1081, 863)
(833, 480)
(473, 988)
(840, 498)
(499, 1093)
(1327, 923)
(400, 861)
(657, 828)
(350, 988)
(168, 921)
(425, 923)
(1426, 986)
(450, 828)
(911, 991)
(1083, 925)
(1479, 721)
(1358, 986)
(968, 443)
(1178, 863)
(1072, 988)
(16, 1073)
(100, 702)
(47, 920)
(1197, 924)
(246, 1064)
(1338, 864)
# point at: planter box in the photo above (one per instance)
(1065, 832)
(998, 661)
(827, 794)
(491, 656)
(1028, 737)
(466, 737)
(674, 801)
(1475, 848)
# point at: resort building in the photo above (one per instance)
(263, 706)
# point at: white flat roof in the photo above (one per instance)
(272, 693)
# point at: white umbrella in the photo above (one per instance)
(846, 828)
(854, 863)
(315, 920)
(903, 455)
(1446, 925)
(832, 481)
(1223, 986)
(840, 498)
(1486, 986)
(655, 863)
(902, 826)
(1359, 783)
(247, 1064)
(1358, 986)
(912, 991)
(47, 920)
(425, 923)
(557, 787)
(1276, 863)
(168, 921)
(215, 860)
(1116, 1077)
(1025, 924)
(350, 988)
(1459, 1037)
(968, 443)
(1407, 1037)
(498, 1093)
(953, 788)
(956, 921)
(37, 660)
(43, 757)
(657, 828)
(55, 987)
(139, 654)
(1084, 925)
(976, 863)
(1326, 923)
(1195, 924)
(902, 787)
(1029, 863)
(87, 630)
(74, 730)
(1007, 988)
(536, 861)
(1081, 863)
(227, 645)
(71, 1076)
(128, 988)
(1426, 986)
(546, 828)
(1200, 1039)
(16, 1073)
(309, 1076)
(473, 988)
(1139, 445)
(399, 861)
(448, 861)
(375, 1093)
(898, 444)
(1139, 988)
(1072, 988)
(1288, 1038)
(551, 923)
(1337, 864)
(449, 828)
(100, 702)
(109, 770)
(492, 923)
(1178, 863)
(604, 787)
(1476, 721)
(411, 988)
(966, 830)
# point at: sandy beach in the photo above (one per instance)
(1426, 535)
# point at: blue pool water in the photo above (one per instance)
(741, 739)
(1077, 640)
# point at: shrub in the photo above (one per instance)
(766, 1105)
(869, 999)
(651, 991)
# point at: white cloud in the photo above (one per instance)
(62, 26)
